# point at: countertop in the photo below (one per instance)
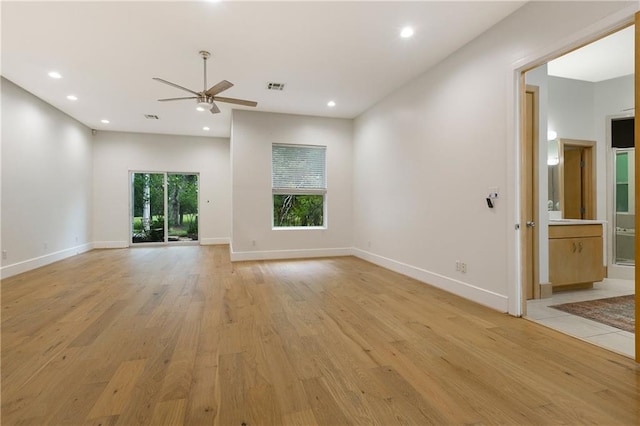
(554, 222)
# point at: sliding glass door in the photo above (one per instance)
(147, 191)
(624, 219)
(182, 193)
(164, 207)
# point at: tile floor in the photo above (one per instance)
(597, 333)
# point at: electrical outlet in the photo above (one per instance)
(4, 255)
(463, 268)
(458, 265)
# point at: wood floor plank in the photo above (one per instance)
(181, 335)
(300, 418)
(169, 413)
(202, 408)
(325, 408)
(118, 391)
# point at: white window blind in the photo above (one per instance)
(298, 169)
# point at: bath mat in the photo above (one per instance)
(618, 312)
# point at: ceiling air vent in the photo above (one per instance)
(151, 117)
(275, 86)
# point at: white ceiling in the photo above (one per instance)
(607, 58)
(108, 52)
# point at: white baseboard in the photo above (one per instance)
(466, 290)
(214, 241)
(38, 262)
(484, 297)
(289, 254)
(110, 244)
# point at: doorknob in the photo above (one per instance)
(531, 224)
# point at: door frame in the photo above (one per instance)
(637, 177)
(520, 68)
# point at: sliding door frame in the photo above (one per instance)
(165, 209)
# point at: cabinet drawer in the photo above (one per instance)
(575, 260)
(575, 231)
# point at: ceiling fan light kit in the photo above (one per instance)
(206, 98)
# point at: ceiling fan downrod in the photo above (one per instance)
(205, 55)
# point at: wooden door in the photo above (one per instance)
(529, 202)
(573, 204)
(578, 178)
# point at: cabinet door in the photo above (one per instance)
(575, 260)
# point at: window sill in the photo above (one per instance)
(299, 228)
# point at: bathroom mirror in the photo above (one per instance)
(571, 187)
(553, 165)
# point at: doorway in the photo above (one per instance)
(577, 179)
(164, 207)
(623, 186)
(580, 202)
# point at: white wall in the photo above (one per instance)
(115, 154)
(46, 182)
(571, 108)
(425, 156)
(253, 134)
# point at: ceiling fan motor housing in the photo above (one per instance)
(205, 101)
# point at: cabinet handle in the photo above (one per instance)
(580, 247)
(574, 248)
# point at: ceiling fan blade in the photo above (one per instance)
(177, 99)
(214, 109)
(235, 101)
(220, 87)
(175, 85)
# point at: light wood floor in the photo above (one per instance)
(179, 335)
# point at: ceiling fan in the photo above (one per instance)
(206, 98)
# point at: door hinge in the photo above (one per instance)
(582, 164)
(583, 210)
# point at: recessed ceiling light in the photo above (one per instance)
(406, 32)
(104, 121)
(72, 98)
(331, 104)
(199, 108)
(205, 128)
(55, 74)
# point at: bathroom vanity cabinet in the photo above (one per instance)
(575, 254)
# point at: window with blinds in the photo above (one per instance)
(299, 185)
